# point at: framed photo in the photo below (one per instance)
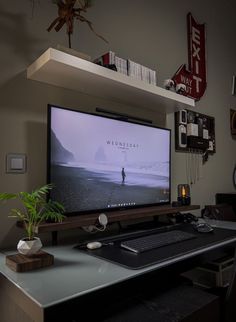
(234, 177)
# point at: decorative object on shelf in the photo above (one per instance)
(36, 210)
(169, 84)
(233, 121)
(67, 13)
(194, 77)
(180, 89)
(234, 177)
(184, 194)
(109, 60)
(127, 67)
(141, 72)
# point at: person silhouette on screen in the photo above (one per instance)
(123, 175)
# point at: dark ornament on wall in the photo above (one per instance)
(234, 177)
(68, 12)
(233, 121)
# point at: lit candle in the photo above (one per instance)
(184, 194)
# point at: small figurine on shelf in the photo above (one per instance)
(67, 13)
(169, 84)
(180, 89)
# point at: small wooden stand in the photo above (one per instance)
(22, 263)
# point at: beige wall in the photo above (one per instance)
(152, 33)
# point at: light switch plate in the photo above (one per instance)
(16, 163)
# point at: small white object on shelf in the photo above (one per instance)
(60, 69)
(169, 84)
(180, 88)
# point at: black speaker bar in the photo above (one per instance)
(123, 117)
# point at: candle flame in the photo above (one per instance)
(183, 192)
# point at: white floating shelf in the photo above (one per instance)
(57, 68)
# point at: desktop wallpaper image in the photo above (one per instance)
(101, 163)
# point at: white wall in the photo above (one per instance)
(152, 33)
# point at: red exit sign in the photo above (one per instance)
(194, 77)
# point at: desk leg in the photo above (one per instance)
(54, 238)
(16, 306)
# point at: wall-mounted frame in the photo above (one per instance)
(233, 121)
(234, 177)
(194, 132)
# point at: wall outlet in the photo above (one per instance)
(16, 163)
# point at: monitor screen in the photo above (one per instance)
(98, 163)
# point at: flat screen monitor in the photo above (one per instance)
(98, 163)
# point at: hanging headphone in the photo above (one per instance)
(101, 224)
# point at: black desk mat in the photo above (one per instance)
(114, 253)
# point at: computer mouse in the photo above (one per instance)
(203, 227)
(94, 245)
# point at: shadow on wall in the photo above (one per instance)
(9, 233)
(35, 176)
(22, 95)
(15, 35)
(36, 140)
(14, 92)
(11, 237)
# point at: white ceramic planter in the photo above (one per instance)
(29, 247)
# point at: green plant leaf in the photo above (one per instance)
(36, 208)
(18, 214)
(43, 190)
(7, 196)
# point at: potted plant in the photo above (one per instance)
(36, 209)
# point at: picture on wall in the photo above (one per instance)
(233, 121)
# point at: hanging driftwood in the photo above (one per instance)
(68, 12)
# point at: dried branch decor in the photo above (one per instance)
(68, 11)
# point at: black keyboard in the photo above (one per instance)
(142, 244)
